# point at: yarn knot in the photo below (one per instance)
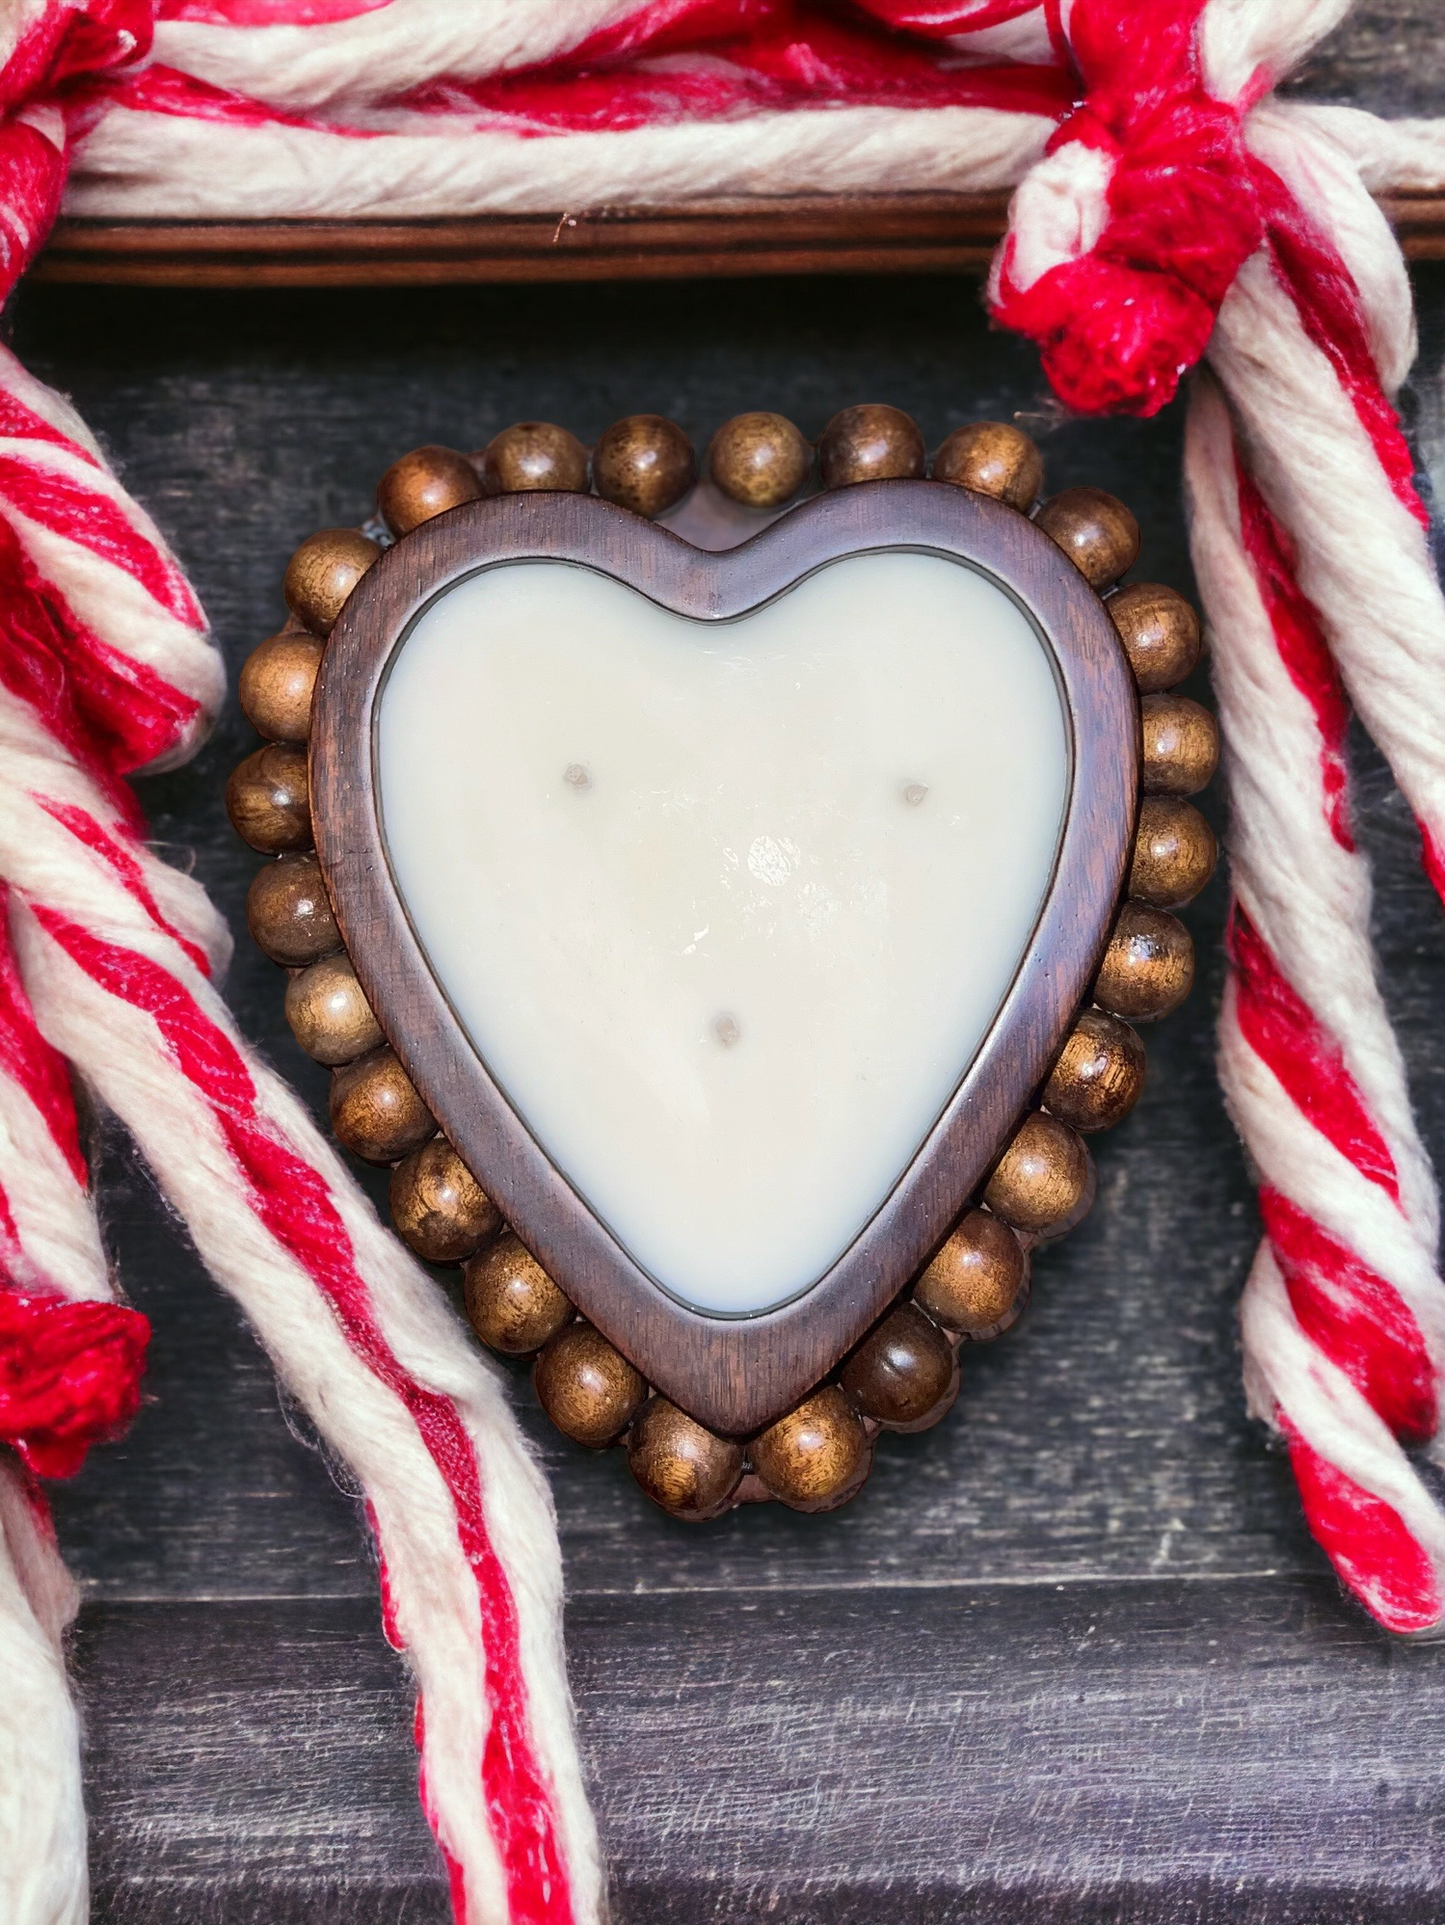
(69, 1376)
(1126, 237)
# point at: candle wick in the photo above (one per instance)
(914, 793)
(726, 1029)
(575, 776)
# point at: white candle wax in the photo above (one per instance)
(726, 908)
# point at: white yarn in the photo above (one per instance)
(1025, 38)
(108, 599)
(138, 165)
(42, 1818)
(1310, 900)
(387, 51)
(16, 379)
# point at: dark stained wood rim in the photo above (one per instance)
(790, 234)
(734, 1375)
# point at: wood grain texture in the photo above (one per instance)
(733, 1374)
(1101, 1447)
(1091, 1754)
(873, 234)
(790, 234)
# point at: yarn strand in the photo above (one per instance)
(1168, 212)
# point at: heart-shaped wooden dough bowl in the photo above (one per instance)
(727, 908)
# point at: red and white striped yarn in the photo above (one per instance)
(116, 951)
(104, 667)
(418, 107)
(42, 1816)
(1215, 216)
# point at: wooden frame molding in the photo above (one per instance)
(734, 1375)
(794, 234)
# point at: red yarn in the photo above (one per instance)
(69, 1376)
(1120, 325)
(1301, 644)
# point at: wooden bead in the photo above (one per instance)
(289, 912)
(993, 458)
(587, 1388)
(533, 455)
(759, 459)
(1043, 1182)
(439, 1207)
(375, 1109)
(817, 1455)
(329, 1014)
(512, 1303)
(268, 799)
(644, 463)
(1160, 633)
(903, 1375)
(681, 1465)
(870, 443)
(323, 572)
(978, 1282)
(276, 684)
(1180, 742)
(1174, 852)
(424, 483)
(1095, 530)
(1148, 967)
(1099, 1075)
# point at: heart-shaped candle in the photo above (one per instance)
(726, 908)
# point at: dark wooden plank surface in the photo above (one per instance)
(1120, 1752)
(755, 1695)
